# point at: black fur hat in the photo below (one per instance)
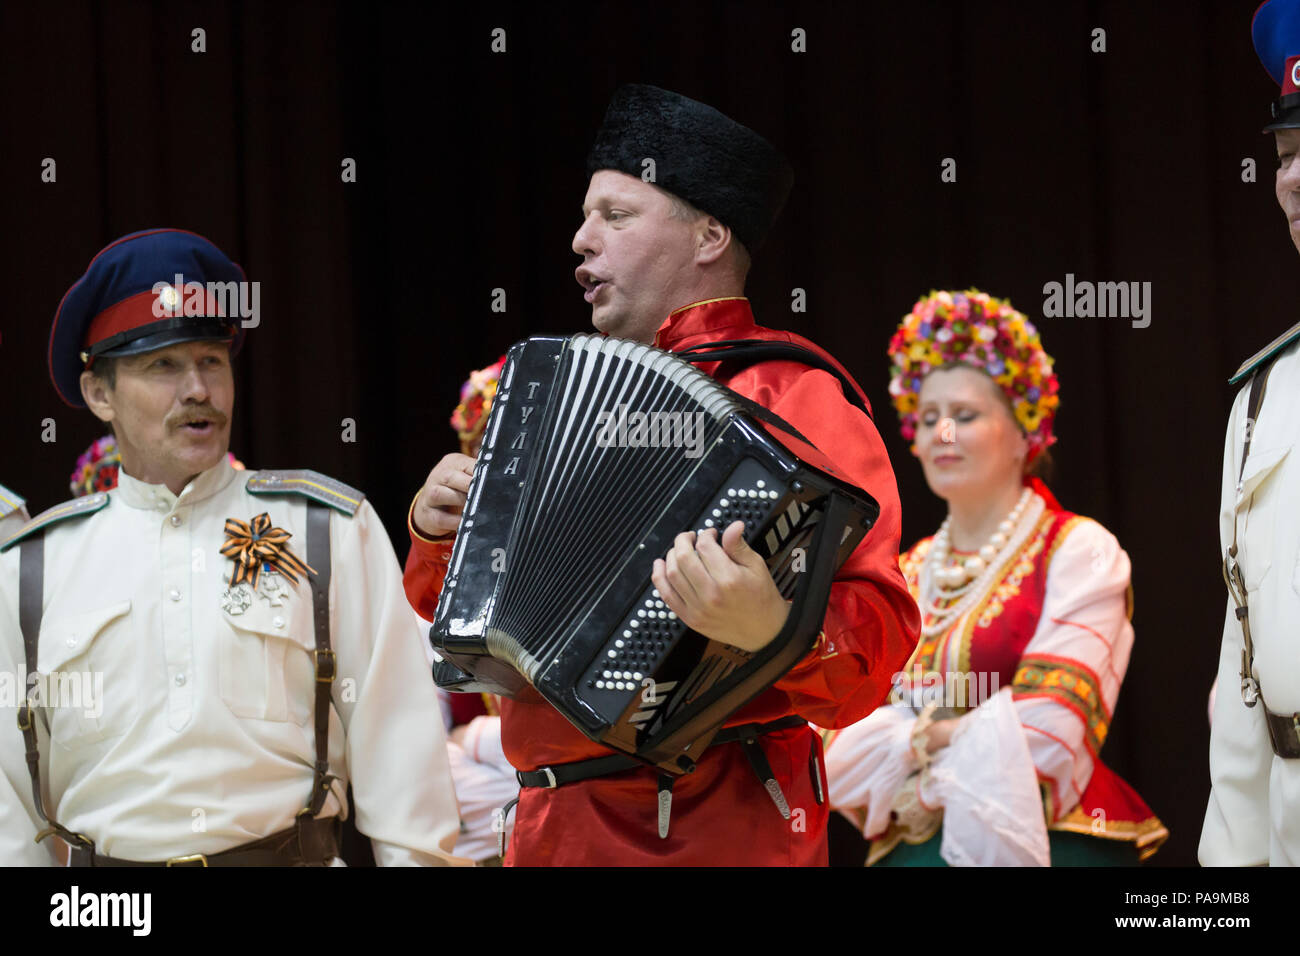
(715, 164)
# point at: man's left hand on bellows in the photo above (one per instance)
(721, 588)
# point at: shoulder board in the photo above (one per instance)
(9, 501)
(76, 508)
(1266, 353)
(309, 484)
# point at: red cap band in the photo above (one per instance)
(143, 309)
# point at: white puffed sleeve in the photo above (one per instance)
(485, 783)
(1068, 679)
(985, 781)
(868, 761)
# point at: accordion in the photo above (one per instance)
(597, 453)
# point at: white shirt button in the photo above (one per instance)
(278, 621)
(180, 680)
(176, 521)
(174, 594)
(72, 642)
(163, 506)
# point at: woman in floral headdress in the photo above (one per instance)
(988, 751)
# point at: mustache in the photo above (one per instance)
(200, 413)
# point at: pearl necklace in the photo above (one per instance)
(970, 579)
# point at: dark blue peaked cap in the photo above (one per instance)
(1275, 31)
(114, 310)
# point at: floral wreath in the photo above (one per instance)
(973, 328)
(470, 417)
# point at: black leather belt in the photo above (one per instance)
(1284, 733)
(746, 735)
(559, 774)
(309, 842)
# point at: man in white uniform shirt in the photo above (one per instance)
(215, 654)
(1253, 817)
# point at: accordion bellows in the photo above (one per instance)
(596, 454)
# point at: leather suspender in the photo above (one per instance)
(1283, 729)
(326, 665)
(31, 598)
(1231, 569)
(315, 839)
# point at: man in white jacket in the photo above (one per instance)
(203, 658)
(1253, 816)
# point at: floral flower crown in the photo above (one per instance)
(96, 469)
(98, 465)
(470, 416)
(973, 328)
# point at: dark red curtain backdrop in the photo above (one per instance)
(376, 295)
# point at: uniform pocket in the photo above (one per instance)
(265, 659)
(1257, 513)
(86, 667)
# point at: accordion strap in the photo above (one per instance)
(735, 355)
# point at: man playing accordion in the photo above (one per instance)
(679, 195)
